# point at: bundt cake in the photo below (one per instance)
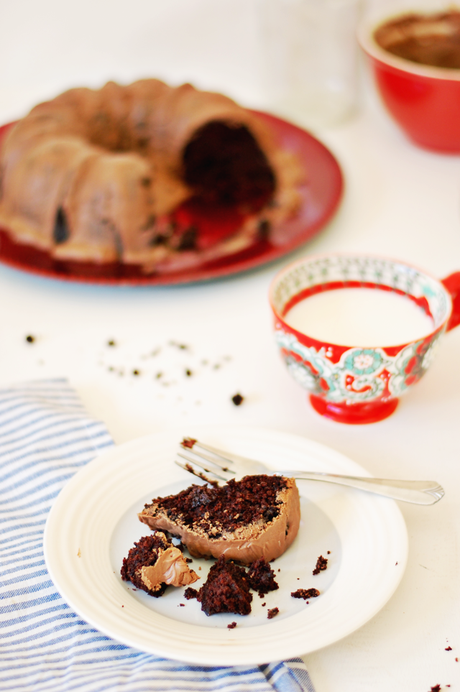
(245, 520)
(94, 175)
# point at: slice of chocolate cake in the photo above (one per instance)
(244, 520)
(155, 562)
(226, 590)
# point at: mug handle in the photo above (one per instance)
(452, 283)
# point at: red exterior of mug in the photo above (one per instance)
(423, 100)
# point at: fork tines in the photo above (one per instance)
(209, 461)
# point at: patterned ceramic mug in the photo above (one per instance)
(356, 383)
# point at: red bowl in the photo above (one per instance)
(423, 100)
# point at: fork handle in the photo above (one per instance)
(417, 492)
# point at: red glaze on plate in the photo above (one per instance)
(321, 196)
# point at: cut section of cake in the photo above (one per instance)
(255, 517)
(154, 563)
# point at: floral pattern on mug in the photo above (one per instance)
(412, 363)
(361, 374)
(363, 361)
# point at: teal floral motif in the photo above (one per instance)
(363, 361)
(412, 363)
(361, 388)
(306, 365)
(304, 376)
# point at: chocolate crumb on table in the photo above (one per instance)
(272, 613)
(30, 339)
(436, 688)
(231, 626)
(305, 593)
(321, 564)
(448, 648)
(237, 399)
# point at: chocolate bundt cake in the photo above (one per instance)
(153, 563)
(244, 520)
(94, 175)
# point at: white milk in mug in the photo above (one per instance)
(360, 317)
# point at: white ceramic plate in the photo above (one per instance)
(93, 524)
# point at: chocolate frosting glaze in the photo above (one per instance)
(170, 568)
(245, 544)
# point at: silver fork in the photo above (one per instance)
(213, 465)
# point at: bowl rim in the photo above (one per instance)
(358, 255)
(365, 37)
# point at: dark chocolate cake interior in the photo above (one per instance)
(225, 166)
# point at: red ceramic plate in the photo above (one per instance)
(321, 196)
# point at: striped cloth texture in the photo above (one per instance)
(46, 436)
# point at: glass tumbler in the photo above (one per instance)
(310, 58)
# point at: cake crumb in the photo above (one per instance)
(261, 577)
(30, 339)
(272, 613)
(448, 648)
(321, 564)
(237, 399)
(190, 593)
(305, 593)
(231, 626)
(226, 589)
(436, 688)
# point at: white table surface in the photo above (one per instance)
(399, 201)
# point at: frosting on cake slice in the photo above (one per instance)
(255, 517)
(154, 563)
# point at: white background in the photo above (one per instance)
(399, 201)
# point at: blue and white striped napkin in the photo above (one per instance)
(45, 437)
